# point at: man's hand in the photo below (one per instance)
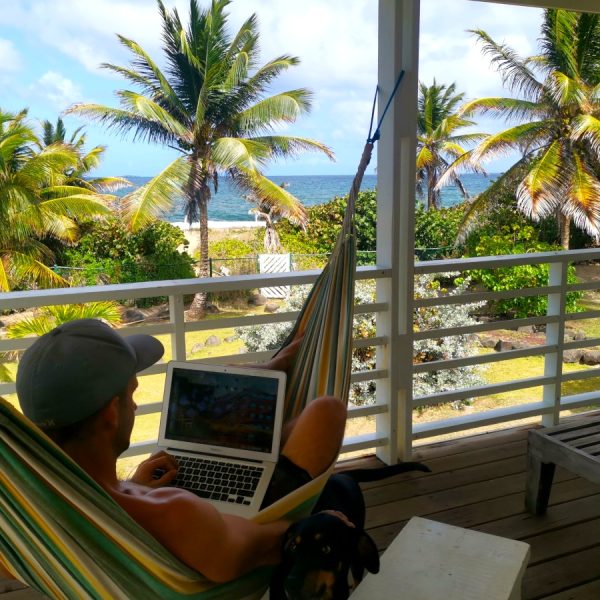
(285, 359)
(157, 471)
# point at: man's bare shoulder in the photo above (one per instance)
(164, 511)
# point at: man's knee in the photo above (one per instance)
(330, 408)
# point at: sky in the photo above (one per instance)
(51, 51)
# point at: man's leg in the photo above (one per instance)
(314, 440)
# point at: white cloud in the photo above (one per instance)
(58, 90)
(10, 59)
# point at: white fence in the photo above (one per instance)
(548, 407)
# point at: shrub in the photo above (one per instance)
(108, 252)
(260, 337)
(436, 230)
(457, 346)
(325, 222)
(517, 238)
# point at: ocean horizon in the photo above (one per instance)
(229, 205)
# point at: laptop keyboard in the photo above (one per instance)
(217, 480)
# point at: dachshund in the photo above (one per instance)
(321, 551)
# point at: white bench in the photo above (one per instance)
(432, 561)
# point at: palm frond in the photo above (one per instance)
(541, 190)
(516, 137)
(123, 122)
(582, 202)
(274, 197)
(587, 128)
(239, 153)
(565, 91)
(483, 202)
(283, 146)
(516, 76)
(507, 108)
(285, 107)
(155, 197)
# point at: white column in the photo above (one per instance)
(398, 50)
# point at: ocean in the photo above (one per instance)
(228, 205)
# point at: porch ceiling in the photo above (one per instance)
(577, 5)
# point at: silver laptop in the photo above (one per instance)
(223, 424)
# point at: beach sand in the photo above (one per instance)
(242, 230)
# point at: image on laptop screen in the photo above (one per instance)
(222, 409)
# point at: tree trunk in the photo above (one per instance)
(564, 223)
(432, 196)
(197, 308)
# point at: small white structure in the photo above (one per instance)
(275, 263)
(433, 561)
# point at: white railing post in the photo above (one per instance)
(398, 50)
(177, 318)
(555, 333)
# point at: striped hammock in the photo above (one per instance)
(63, 535)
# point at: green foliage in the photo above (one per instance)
(437, 229)
(231, 248)
(50, 317)
(108, 252)
(325, 222)
(517, 238)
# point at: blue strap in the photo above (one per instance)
(373, 138)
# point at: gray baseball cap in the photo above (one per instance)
(71, 372)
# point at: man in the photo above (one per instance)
(77, 383)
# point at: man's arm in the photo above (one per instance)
(221, 547)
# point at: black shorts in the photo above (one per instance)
(287, 477)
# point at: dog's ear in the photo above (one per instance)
(367, 550)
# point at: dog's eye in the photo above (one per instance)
(326, 549)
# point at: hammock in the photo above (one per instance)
(63, 535)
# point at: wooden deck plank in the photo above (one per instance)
(587, 591)
(557, 575)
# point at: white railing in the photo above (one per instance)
(548, 406)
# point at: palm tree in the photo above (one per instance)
(271, 214)
(49, 317)
(36, 202)
(558, 133)
(438, 144)
(80, 176)
(210, 104)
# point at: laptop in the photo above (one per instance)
(223, 425)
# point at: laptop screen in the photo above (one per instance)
(229, 410)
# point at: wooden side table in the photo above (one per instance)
(574, 446)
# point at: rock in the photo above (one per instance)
(591, 357)
(213, 340)
(211, 309)
(257, 300)
(488, 342)
(197, 347)
(572, 356)
(163, 312)
(271, 307)
(519, 345)
(131, 315)
(231, 338)
(526, 329)
(503, 346)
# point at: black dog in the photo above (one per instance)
(321, 551)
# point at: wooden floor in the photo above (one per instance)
(479, 483)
